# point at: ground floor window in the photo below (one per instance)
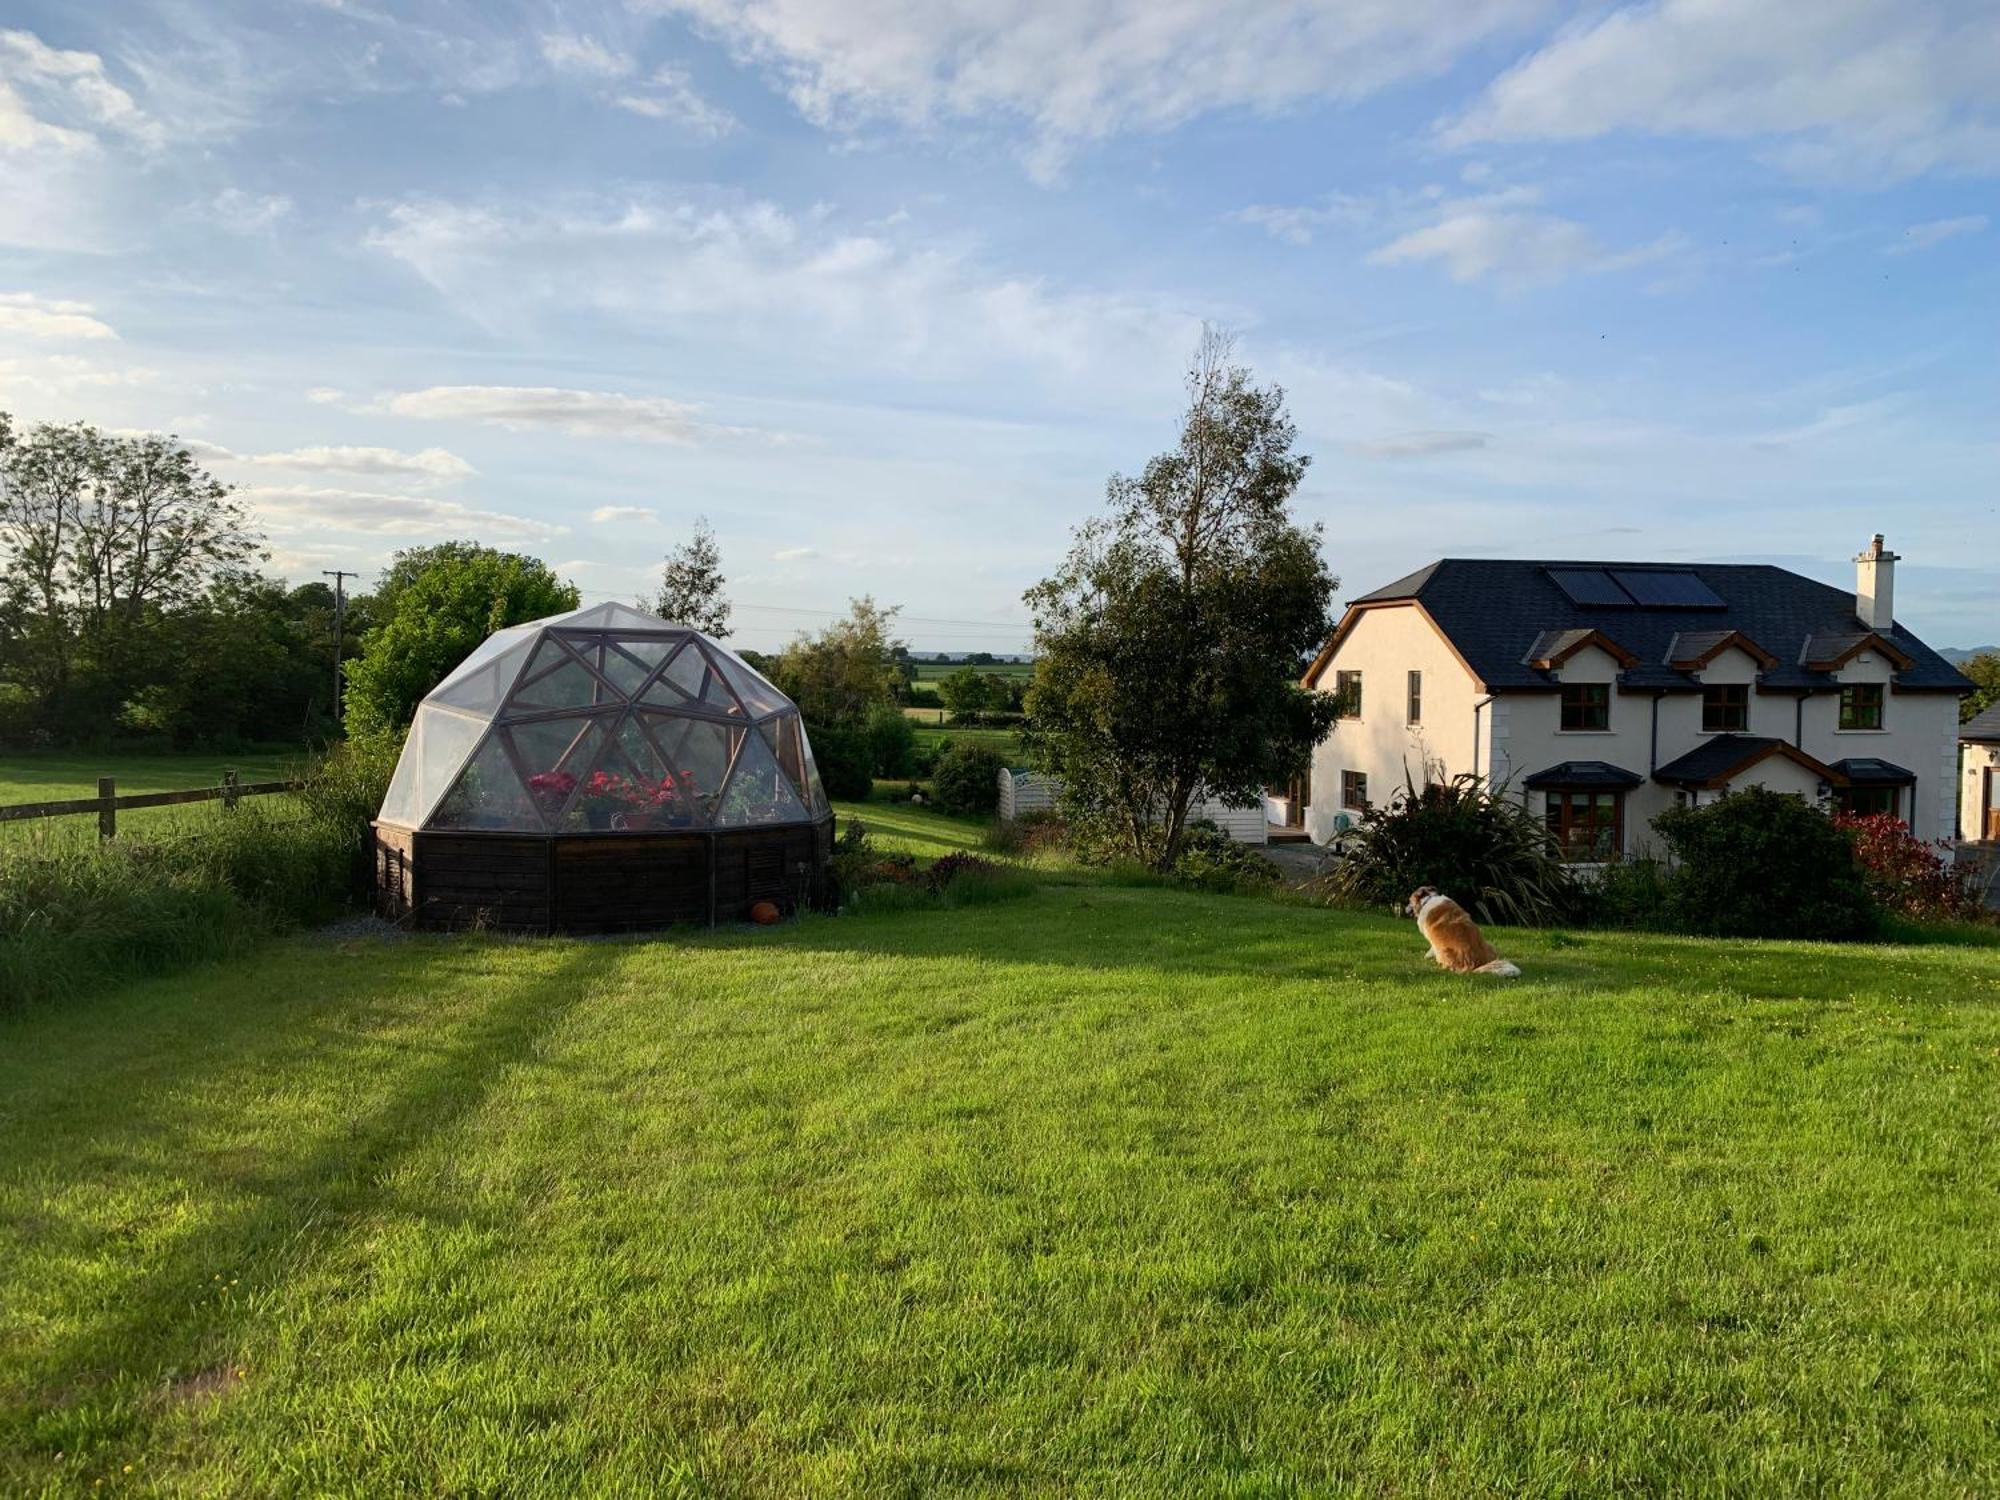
(1865, 801)
(1354, 790)
(1588, 823)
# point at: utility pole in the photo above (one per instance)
(339, 577)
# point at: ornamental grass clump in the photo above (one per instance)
(1473, 842)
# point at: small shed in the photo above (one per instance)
(602, 770)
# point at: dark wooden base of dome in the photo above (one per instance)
(598, 882)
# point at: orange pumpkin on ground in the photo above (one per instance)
(764, 913)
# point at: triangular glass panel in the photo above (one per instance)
(815, 789)
(556, 755)
(682, 681)
(626, 668)
(556, 679)
(715, 692)
(698, 753)
(782, 735)
(494, 645)
(759, 697)
(484, 688)
(488, 795)
(758, 791)
(399, 804)
(447, 744)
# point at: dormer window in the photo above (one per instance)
(1586, 706)
(1725, 708)
(1861, 705)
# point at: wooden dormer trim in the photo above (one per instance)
(1625, 659)
(1900, 659)
(1352, 618)
(1735, 638)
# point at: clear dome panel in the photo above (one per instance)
(682, 680)
(445, 746)
(486, 650)
(759, 697)
(628, 664)
(631, 791)
(482, 689)
(758, 790)
(489, 795)
(782, 735)
(399, 803)
(556, 679)
(815, 789)
(556, 755)
(698, 752)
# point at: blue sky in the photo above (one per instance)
(887, 288)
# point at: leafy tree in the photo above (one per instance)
(691, 587)
(100, 535)
(967, 691)
(967, 779)
(892, 741)
(1984, 670)
(437, 603)
(1171, 641)
(839, 675)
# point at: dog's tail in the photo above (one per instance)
(1499, 967)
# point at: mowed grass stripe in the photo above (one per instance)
(1103, 1191)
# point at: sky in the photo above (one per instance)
(887, 289)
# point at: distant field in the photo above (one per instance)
(930, 673)
(55, 778)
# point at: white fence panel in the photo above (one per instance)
(1023, 792)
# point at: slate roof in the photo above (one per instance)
(1586, 773)
(1718, 760)
(1495, 611)
(1870, 770)
(1984, 727)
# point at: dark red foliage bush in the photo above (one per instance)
(1906, 875)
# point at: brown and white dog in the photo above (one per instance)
(1456, 941)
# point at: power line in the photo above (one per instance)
(838, 614)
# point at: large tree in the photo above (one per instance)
(838, 676)
(100, 536)
(435, 604)
(1984, 670)
(691, 584)
(1171, 642)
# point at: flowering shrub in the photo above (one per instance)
(944, 871)
(616, 801)
(1906, 875)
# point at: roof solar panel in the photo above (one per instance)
(1670, 588)
(1589, 586)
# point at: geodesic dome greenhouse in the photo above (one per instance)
(585, 732)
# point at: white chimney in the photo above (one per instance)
(1875, 586)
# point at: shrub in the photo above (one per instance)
(1030, 834)
(1759, 863)
(1633, 893)
(1211, 860)
(1906, 875)
(1479, 846)
(846, 764)
(77, 918)
(869, 880)
(892, 741)
(967, 779)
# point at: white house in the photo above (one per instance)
(1979, 764)
(1604, 693)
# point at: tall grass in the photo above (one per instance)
(75, 918)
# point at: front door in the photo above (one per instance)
(1297, 793)
(1992, 804)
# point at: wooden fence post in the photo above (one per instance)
(107, 807)
(230, 783)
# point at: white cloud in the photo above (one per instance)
(654, 419)
(567, 52)
(73, 88)
(794, 554)
(1876, 86)
(1084, 69)
(1421, 444)
(304, 507)
(612, 513)
(803, 285)
(1831, 420)
(1296, 224)
(429, 465)
(1923, 236)
(669, 96)
(41, 318)
(65, 376)
(249, 213)
(1497, 236)
(326, 395)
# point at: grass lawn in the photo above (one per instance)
(58, 777)
(1101, 1191)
